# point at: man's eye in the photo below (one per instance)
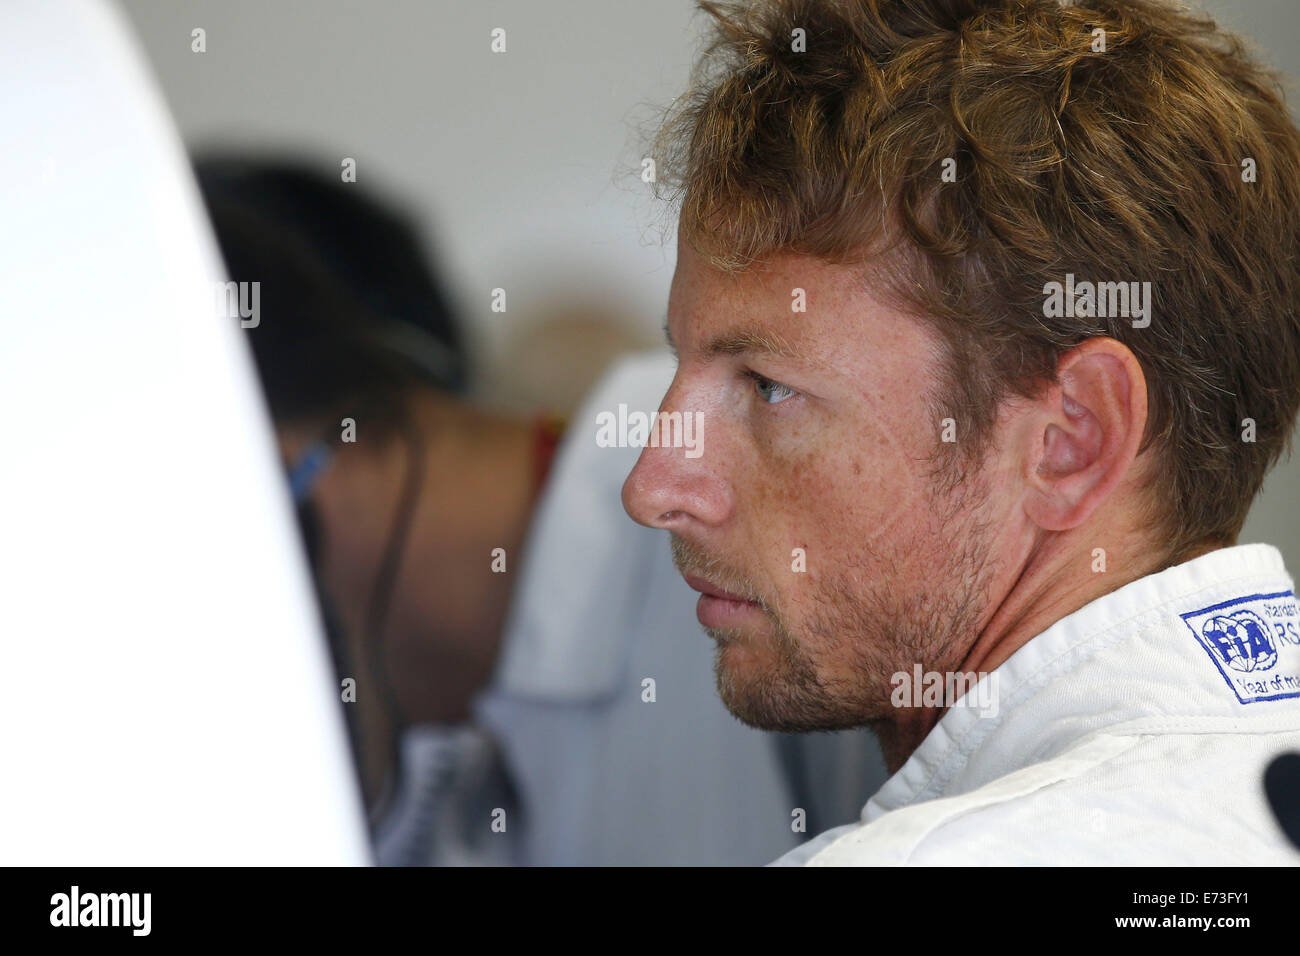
(773, 393)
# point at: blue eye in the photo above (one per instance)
(772, 393)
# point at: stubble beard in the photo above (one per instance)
(835, 671)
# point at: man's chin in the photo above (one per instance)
(767, 694)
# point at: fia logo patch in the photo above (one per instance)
(1255, 643)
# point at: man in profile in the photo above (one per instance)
(990, 308)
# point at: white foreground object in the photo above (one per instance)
(167, 695)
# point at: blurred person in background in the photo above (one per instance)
(499, 614)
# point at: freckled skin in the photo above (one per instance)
(840, 458)
(842, 467)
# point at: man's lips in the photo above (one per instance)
(704, 587)
(719, 608)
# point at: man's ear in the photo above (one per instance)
(1090, 425)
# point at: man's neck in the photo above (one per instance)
(447, 605)
(479, 495)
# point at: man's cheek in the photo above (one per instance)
(779, 485)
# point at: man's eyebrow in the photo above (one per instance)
(740, 341)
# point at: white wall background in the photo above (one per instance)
(523, 166)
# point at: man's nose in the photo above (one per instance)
(672, 490)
